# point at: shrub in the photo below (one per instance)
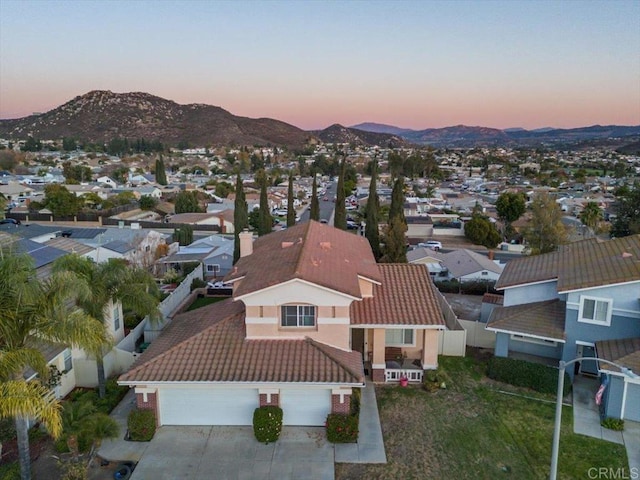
(356, 395)
(141, 425)
(197, 283)
(611, 423)
(521, 373)
(342, 428)
(113, 396)
(267, 423)
(10, 471)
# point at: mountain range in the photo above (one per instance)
(100, 116)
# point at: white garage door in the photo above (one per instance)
(632, 402)
(305, 407)
(231, 406)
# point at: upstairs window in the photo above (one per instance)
(595, 310)
(116, 318)
(298, 316)
(399, 337)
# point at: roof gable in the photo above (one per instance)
(320, 254)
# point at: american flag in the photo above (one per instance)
(599, 394)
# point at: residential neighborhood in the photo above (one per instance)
(284, 307)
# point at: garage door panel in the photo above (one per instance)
(207, 406)
(305, 407)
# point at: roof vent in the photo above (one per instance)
(287, 244)
(627, 255)
(325, 245)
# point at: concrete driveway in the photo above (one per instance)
(233, 453)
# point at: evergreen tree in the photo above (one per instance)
(371, 213)
(240, 217)
(183, 235)
(314, 209)
(291, 212)
(480, 230)
(395, 239)
(266, 220)
(340, 216)
(187, 202)
(627, 221)
(161, 175)
(510, 206)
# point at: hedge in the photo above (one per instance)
(267, 423)
(342, 428)
(141, 425)
(521, 373)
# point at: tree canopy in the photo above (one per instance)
(340, 215)
(371, 214)
(240, 217)
(314, 208)
(627, 221)
(545, 231)
(187, 202)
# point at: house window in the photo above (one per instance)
(298, 316)
(485, 273)
(401, 337)
(214, 268)
(116, 318)
(68, 363)
(595, 310)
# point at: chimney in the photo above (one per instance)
(246, 243)
(490, 254)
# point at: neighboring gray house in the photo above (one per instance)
(462, 264)
(581, 301)
(215, 252)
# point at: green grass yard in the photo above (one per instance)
(473, 431)
(204, 301)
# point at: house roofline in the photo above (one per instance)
(606, 285)
(512, 332)
(296, 279)
(396, 326)
(524, 284)
(142, 383)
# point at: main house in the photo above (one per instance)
(580, 301)
(311, 315)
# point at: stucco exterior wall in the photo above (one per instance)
(531, 293)
(430, 348)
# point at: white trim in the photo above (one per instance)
(585, 344)
(623, 312)
(271, 287)
(624, 398)
(260, 320)
(334, 321)
(369, 280)
(378, 365)
(492, 329)
(526, 284)
(596, 300)
(607, 285)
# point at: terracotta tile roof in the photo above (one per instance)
(583, 264)
(625, 351)
(407, 296)
(311, 251)
(69, 245)
(539, 319)
(493, 298)
(209, 345)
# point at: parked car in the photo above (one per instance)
(12, 221)
(351, 225)
(432, 244)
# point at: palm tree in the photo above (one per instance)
(111, 282)
(591, 215)
(33, 311)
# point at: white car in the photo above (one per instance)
(432, 244)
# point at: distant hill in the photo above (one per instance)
(463, 136)
(381, 128)
(99, 116)
(339, 134)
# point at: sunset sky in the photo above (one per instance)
(416, 64)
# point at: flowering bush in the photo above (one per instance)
(267, 423)
(342, 428)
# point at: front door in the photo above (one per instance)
(357, 340)
(587, 367)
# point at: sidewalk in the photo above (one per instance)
(586, 421)
(370, 446)
(118, 449)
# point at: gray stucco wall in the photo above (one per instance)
(502, 345)
(613, 395)
(548, 351)
(531, 293)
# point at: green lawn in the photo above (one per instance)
(472, 431)
(204, 301)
